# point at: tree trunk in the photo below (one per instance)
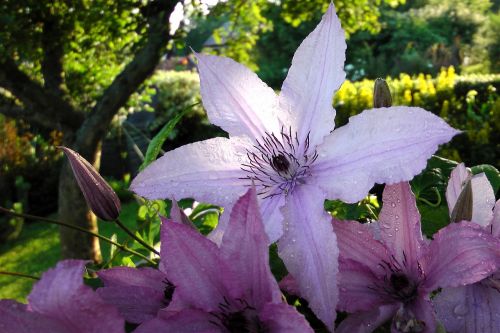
(74, 209)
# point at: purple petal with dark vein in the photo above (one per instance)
(245, 249)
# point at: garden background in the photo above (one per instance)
(107, 77)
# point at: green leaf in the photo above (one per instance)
(491, 172)
(155, 145)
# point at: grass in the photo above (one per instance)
(38, 249)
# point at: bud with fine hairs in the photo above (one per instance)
(100, 197)
(381, 94)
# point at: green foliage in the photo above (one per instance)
(469, 103)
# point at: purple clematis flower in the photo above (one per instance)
(226, 289)
(388, 269)
(286, 146)
(139, 293)
(61, 303)
(475, 307)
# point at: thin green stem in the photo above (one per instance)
(52, 221)
(20, 275)
(134, 236)
(430, 203)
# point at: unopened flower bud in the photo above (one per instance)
(381, 94)
(463, 207)
(100, 197)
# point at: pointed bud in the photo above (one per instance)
(100, 197)
(463, 207)
(178, 215)
(381, 94)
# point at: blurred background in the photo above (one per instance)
(105, 76)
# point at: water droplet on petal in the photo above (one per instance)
(393, 204)
(460, 310)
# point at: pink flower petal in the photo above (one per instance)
(194, 266)
(386, 145)
(399, 222)
(309, 250)
(356, 284)
(356, 242)
(235, 98)
(61, 295)
(138, 294)
(461, 253)
(245, 247)
(186, 321)
(15, 318)
(208, 171)
(472, 308)
(368, 321)
(283, 318)
(317, 71)
(422, 317)
(272, 217)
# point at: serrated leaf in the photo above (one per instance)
(155, 145)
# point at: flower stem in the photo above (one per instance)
(20, 275)
(44, 219)
(139, 240)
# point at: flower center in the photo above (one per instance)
(278, 162)
(168, 292)
(241, 318)
(405, 321)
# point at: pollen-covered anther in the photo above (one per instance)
(277, 163)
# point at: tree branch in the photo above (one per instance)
(47, 105)
(52, 65)
(129, 80)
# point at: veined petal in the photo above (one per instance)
(15, 318)
(399, 222)
(356, 284)
(386, 145)
(138, 294)
(186, 321)
(194, 266)
(245, 248)
(235, 98)
(309, 250)
(357, 243)
(461, 253)
(367, 321)
(61, 295)
(208, 171)
(283, 318)
(317, 71)
(472, 308)
(135, 304)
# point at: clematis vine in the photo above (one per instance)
(475, 307)
(287, 146)
(388, 269)
(61, 303)
(226, 289)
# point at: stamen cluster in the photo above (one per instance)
(278, 163)
(241, 318)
